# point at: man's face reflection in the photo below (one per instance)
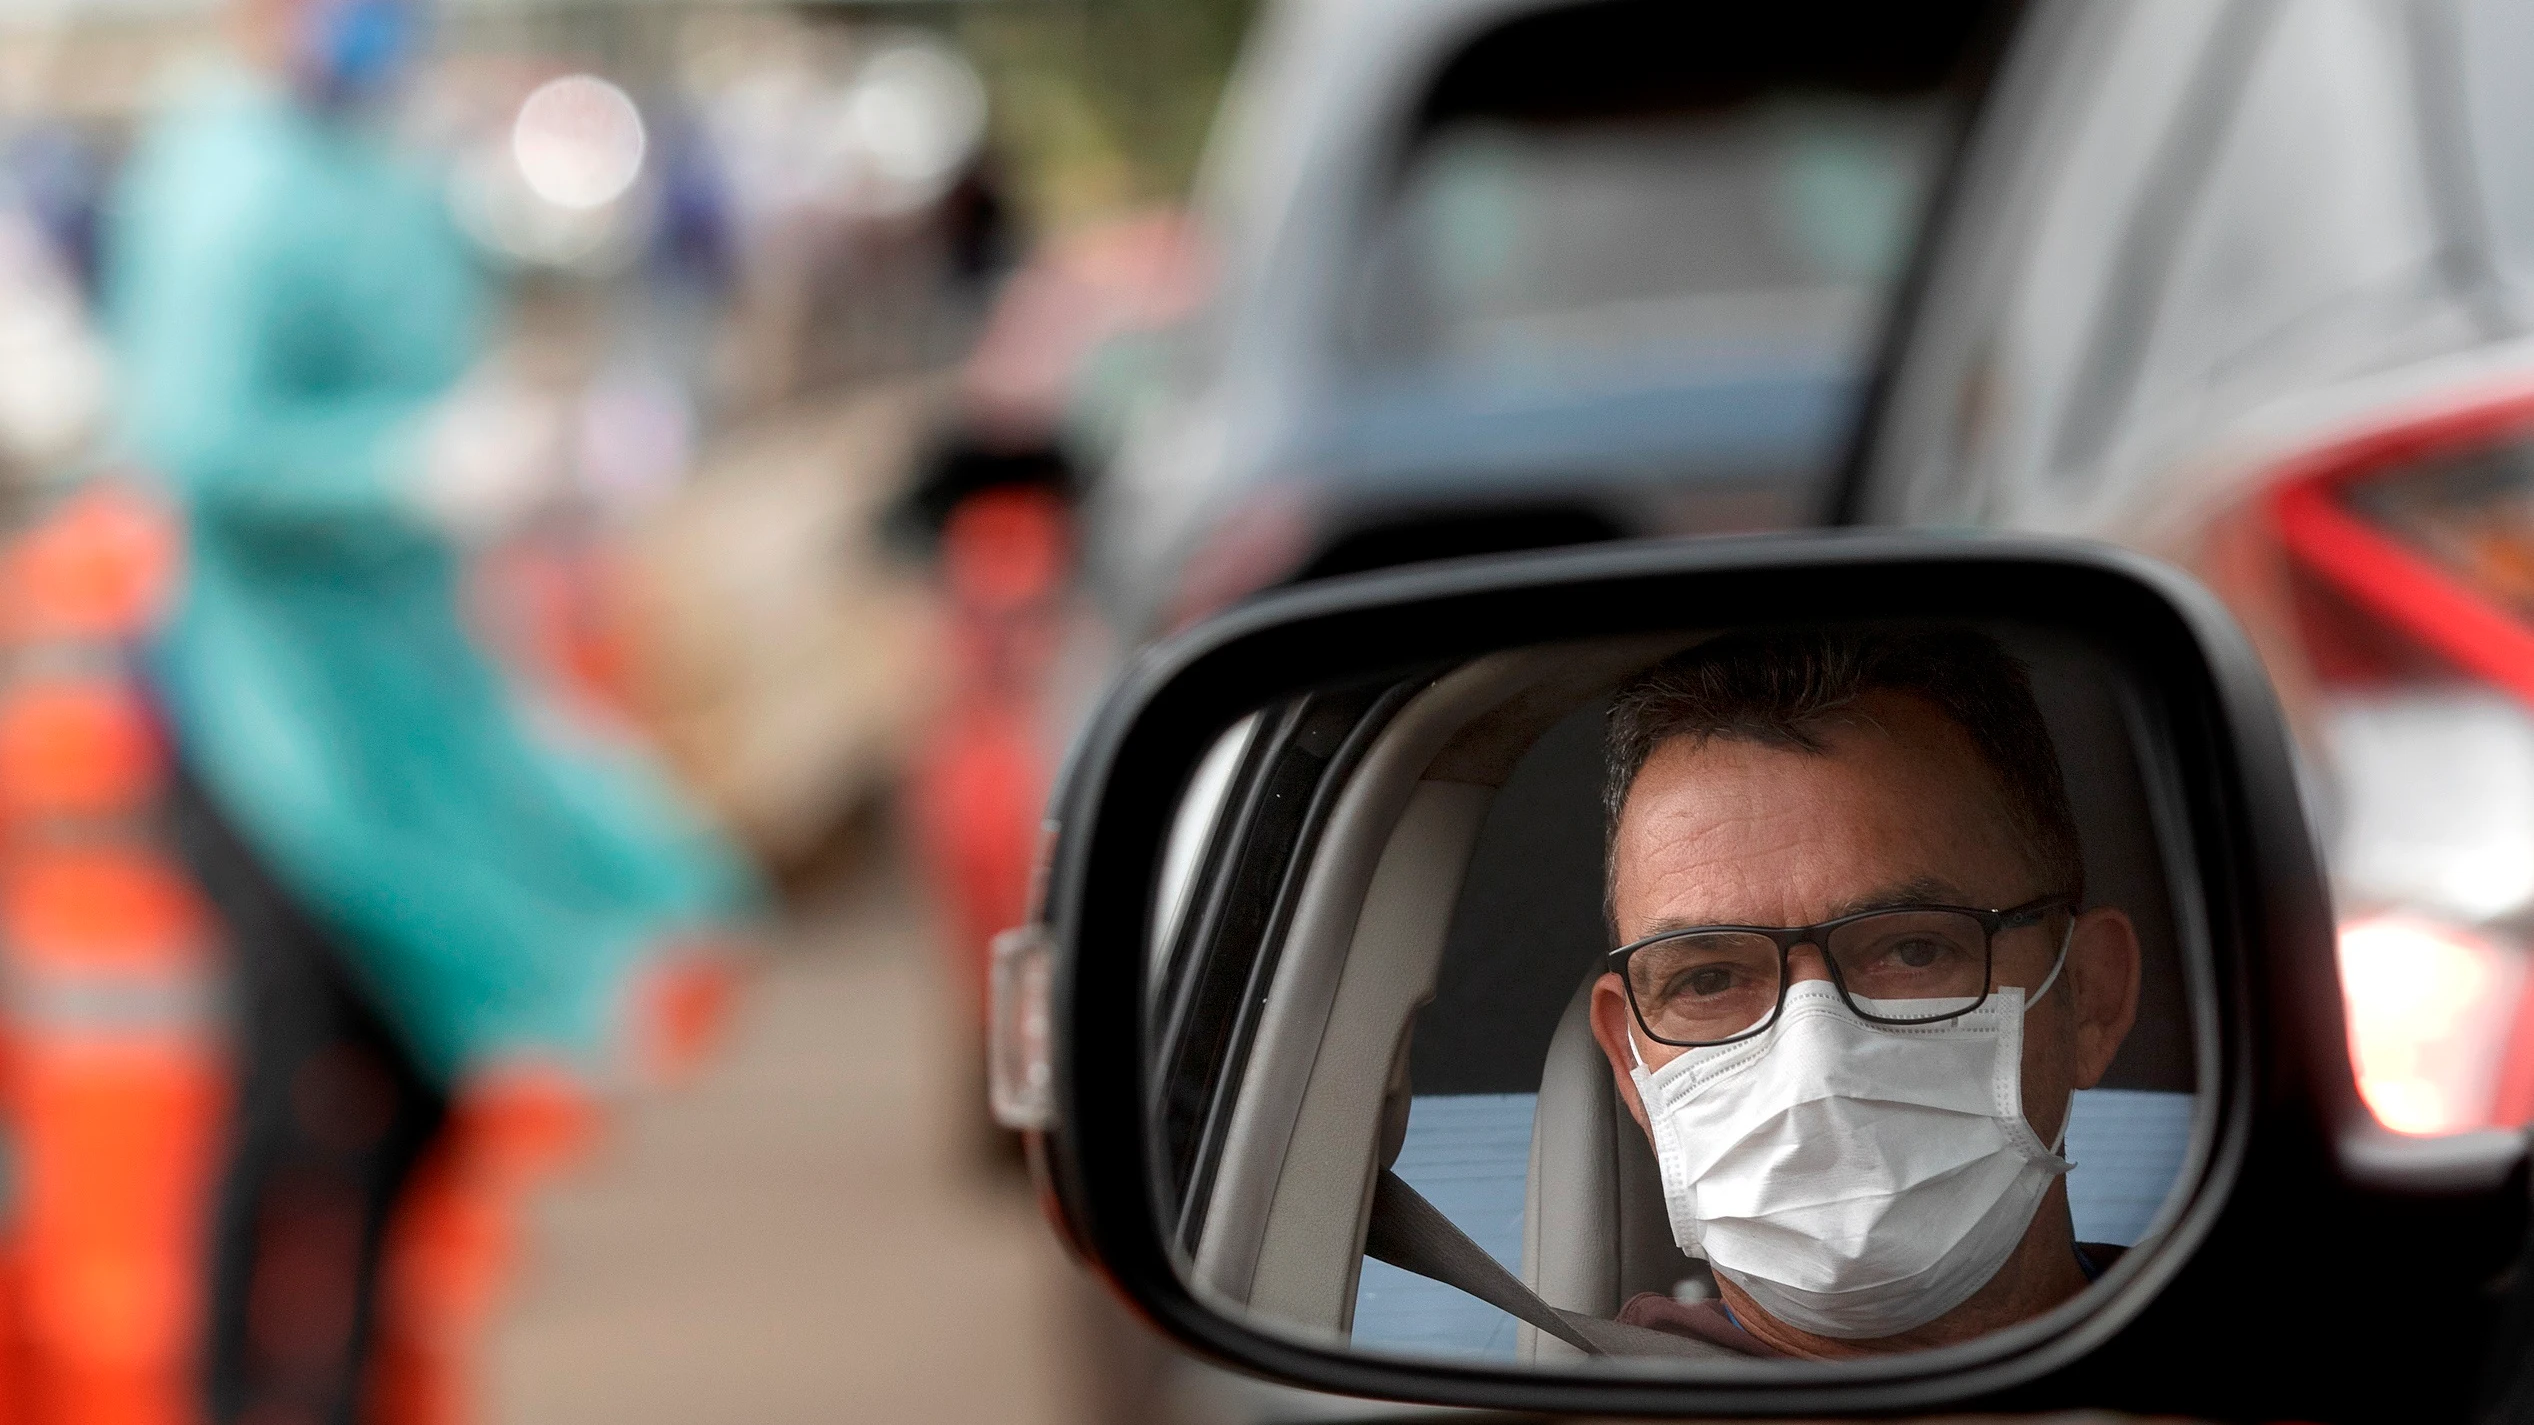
(1893, 804)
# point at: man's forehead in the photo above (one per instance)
(1889, 810)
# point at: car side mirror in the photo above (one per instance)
(1798, 976)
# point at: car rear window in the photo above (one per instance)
(1618, 178)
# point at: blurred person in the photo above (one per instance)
(425, 893)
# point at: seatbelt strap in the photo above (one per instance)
(1413, 1235)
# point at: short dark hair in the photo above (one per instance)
(1781, 687)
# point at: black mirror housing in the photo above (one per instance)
(2324, 1268)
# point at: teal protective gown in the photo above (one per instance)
(288, 298)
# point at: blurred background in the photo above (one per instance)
(851, 387)
(554, 548)
(795, 301)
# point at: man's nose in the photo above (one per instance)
(1804, 962)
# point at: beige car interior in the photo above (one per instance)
(1322, 1104)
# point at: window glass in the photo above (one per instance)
(1779, 221)
(1612, 180)
(2497, 54)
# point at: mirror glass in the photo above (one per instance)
(1693, 1003)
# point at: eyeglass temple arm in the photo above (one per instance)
(2056, 965)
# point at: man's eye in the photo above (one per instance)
(1705, 980)
(1920, 954)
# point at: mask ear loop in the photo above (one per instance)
(2056, 965)
(2059, 1143)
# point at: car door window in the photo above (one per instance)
(1239, 897)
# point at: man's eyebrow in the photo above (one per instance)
(1919, 890)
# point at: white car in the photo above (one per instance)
(2248, 286)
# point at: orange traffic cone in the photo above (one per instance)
(114, 1086)
(978, 784)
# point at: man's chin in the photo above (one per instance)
(1769, 1329)
(2023, 1287)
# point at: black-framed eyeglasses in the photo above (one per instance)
(1909, 964)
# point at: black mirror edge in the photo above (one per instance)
(2229, 1315)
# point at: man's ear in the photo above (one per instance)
(2102, 975)
(1610, 1029)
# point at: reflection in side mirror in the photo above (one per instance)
(1790, 969)
(1610, 1100)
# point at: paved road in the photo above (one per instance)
(804, 1234)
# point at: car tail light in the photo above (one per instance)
(2390, 582)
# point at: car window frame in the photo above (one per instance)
(1228, 939)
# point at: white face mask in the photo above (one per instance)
(1856, 1180)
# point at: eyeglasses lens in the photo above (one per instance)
(1912, 964)
(1903, 966)
(1695, 989)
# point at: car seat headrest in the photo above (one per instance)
(1594, 1229)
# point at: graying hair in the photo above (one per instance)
(1783, 688)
